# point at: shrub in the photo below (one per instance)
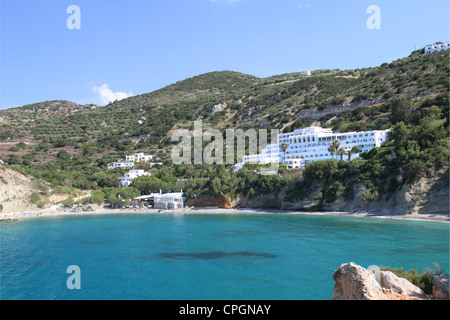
(334, 191)
(424, 280)
(370, 196)
(98, 197)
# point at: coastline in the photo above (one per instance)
(56, 211)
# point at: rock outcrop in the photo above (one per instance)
(396, 285)
(353, 282)
(429, 195)
(218, 107)
(441, 288)
(21, 193)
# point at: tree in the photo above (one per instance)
(97, 197)
(334, 147)
(399, 134)
(332, 150)
(414, 170)
(12, 159)
(320, 170)
(354, 150)
(341, 152)
(63, 155)
(401, 109)
(283, 148)
(150, 184)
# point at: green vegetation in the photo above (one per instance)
(415, 149)
(422, 280)
(70, 145)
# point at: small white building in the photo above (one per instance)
(437, 47)
(126, 180)
(139, 157)
(169, 200)
(126, 165)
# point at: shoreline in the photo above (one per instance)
(56, 211)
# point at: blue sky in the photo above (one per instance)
(133, 47)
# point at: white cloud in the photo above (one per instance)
(105, 95)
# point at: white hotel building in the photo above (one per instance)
(311, 144)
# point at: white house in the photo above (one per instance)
(437, 47)
(138, 157)
(311, 144)
(127, 165)
(131, 175)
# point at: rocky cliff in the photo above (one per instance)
(429, 195)
(20, 193)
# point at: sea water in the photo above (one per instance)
(205, 256)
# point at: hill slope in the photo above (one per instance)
(70, 145)
(20, 193)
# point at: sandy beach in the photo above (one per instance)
(57, 211)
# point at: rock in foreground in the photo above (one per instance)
(354, 282)
(441, 288)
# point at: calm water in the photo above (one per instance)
(182, 256)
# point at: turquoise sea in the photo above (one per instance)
(205, 257)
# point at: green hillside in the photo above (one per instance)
(70, 145)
